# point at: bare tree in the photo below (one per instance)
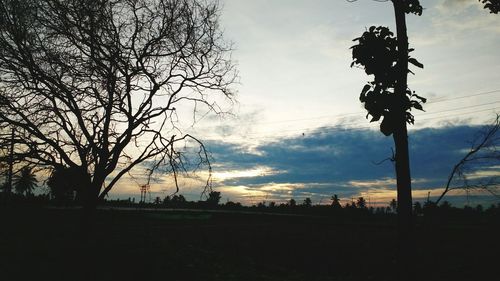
(100, 86)
(483, 153)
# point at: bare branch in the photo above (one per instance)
(93, 83)
(483, 147)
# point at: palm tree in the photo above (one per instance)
(361, 203)
(335, 201)
(25, 181)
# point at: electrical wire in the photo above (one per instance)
(497, 91)
(350, 126)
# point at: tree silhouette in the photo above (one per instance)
(102, 86)
(417, 208)
(167, 200)
(393, 205)
(388, 97)
(479, 208)
(7, 160)
(68, 184)
(351, 206)
(3, 175)
(336, 202)
(213, 198)
(445, 205)
(157, 200)
(307, 202)
(484, 152)
(59, 189)
(361, 203)
(178, 199)
(25, 181)
(492, 5)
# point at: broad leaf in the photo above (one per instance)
(417, 105)
(387, 127)
(415, 62)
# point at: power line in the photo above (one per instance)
(461, 114)
(352, 126)
(344, 125)
(459, 108)
(362, 112)
(467, 96)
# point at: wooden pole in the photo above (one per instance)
(400, 135)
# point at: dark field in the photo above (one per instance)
(42, 244)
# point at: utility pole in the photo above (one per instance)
(400, 135)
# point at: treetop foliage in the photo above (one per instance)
(376, 51)
(413, 7)
(492, 5)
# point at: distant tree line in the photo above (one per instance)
(61, 193)
(355, 208)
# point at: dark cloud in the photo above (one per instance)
(330, 159)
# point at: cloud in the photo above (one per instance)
(259, 171)
(339, 161)
(454, 6)
(462, 15)
(378, 183)
(488, 173)
(456, 3)
(328, 161)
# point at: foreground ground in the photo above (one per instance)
(44, 244)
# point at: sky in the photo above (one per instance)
(298, 129)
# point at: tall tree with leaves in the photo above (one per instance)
(389, 99)
(100, 87)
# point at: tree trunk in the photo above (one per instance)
(405, 218)
(91, 235)
(8, 186)
(89, 200)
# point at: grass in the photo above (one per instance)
(44, 244)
